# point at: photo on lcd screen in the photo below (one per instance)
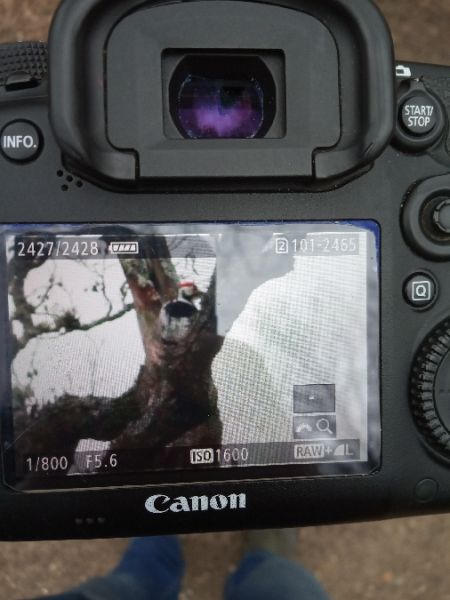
(191, 347)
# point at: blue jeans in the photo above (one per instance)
(153, 569)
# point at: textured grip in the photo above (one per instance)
(29, 57)
(440, 84)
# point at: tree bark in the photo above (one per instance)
(174, 400)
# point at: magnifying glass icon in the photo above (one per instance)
(323, 425)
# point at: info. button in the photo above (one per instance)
(21, 141)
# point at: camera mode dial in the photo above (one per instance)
(430, 388)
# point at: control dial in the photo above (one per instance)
(430, 388)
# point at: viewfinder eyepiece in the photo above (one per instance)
(222, 96)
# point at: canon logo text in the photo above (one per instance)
(160, 503)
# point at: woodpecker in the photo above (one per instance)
(187, 290)
(178, 317)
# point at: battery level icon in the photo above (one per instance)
(124, 248)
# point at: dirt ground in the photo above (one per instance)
(399, 560)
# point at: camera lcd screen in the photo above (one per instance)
(189, 352)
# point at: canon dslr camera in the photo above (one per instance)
(224, 271)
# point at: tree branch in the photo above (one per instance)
(107, 319)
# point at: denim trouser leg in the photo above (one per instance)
(151, 569)
(265, 576)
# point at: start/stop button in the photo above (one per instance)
(419, 115)
(21, 141)
(421, 119)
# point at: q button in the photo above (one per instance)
(21, 141)
(421, 291)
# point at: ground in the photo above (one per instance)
(398, 560)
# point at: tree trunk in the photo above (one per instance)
(174, 401)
